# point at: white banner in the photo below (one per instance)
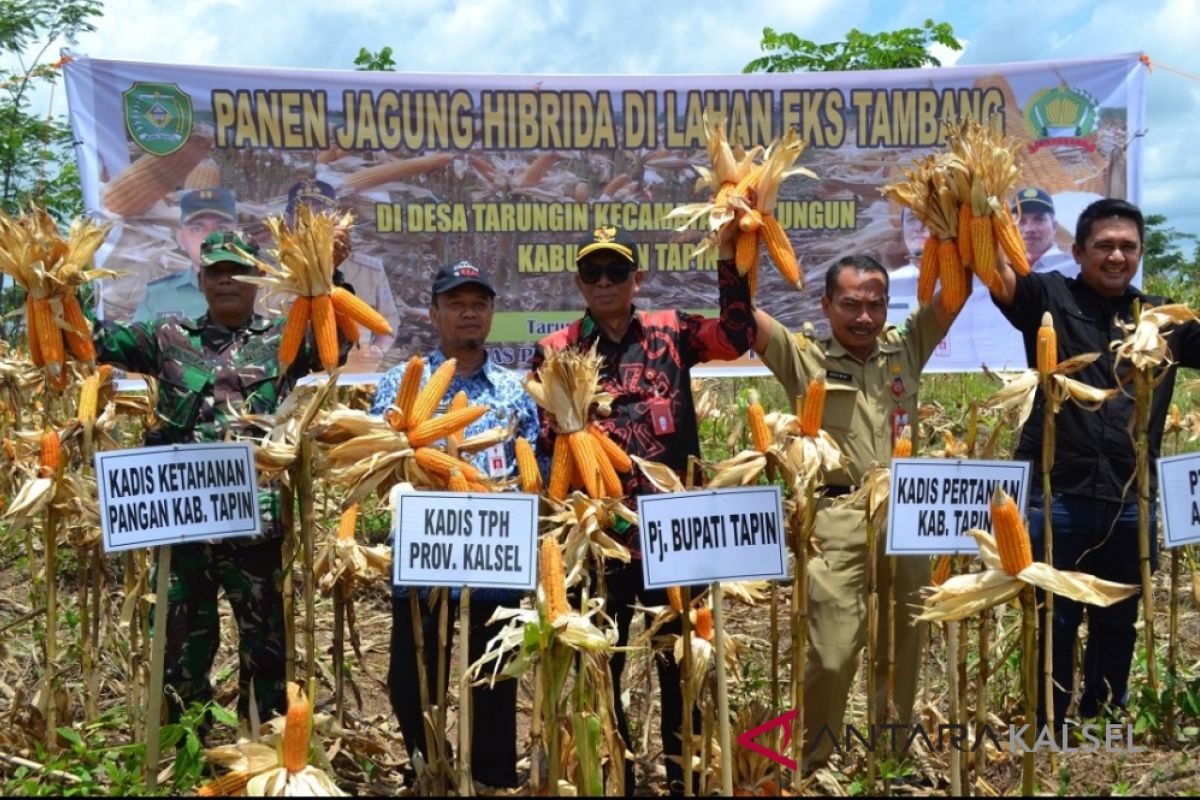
(510, 171)
(933, 502)
(177, 493)
(713, 535)
(464, 539)
(1179, 498)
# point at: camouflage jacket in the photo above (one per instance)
(204, 370)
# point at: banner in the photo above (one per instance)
(510, 171)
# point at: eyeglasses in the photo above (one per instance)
(616, 273)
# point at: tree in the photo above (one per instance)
(375, 62)
(37, 158)
(902, 49)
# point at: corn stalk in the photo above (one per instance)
(304, 496)
(722, 692)
(465, 787)
(157, 659)
(872, 654)
(1049, 446)
(802, 527)
(51, 650)
(1029, 676)
(287, 504)
(1173, 644)
(685, 687)
(952, 635)
(1143, 389)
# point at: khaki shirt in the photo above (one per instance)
(866, 403)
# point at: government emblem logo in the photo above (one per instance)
(158, 117)
(1062, 117)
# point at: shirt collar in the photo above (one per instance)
(487, 371)
(591, 328)
(834, 348)
(256, 324)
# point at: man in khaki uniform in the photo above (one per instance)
(872, 372)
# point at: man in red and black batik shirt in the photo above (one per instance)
(648, 356)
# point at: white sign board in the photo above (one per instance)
(464, 539)
(714, 535)
(933, 502)
(1179, 498)
(177, 493)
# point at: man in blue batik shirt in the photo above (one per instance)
(461, 313)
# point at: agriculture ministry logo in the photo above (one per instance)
(158, 116)
(1062, 116)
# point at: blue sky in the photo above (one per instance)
(667, 37)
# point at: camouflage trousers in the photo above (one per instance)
(251, 573)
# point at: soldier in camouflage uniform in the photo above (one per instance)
(225, 358)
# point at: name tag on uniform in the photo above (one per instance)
(839, 376)
(497, 462)
(661, 417)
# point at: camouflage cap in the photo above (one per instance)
(221, 246)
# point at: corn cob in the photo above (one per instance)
(617, 457)
(347, 521)
(205, 175)
(703, 623)
(395, 170)
(459, 402)
(293, 331)
(609, 481)
(35, 350)
(903, 448)
(585, 460)
(527, 467)
(89, 399)
(406, 393)
(952, 275)
(941, 571)
(50, 454)
(814, 407)
(347, 328)
(325, 329)
(964, 240)
(296, 729)
(439, 427)
(1047, 346)
(148, 179)
(231, 784)
(984, 247)
(50, 339)
(554, 587)
(751, 221)
(432, 394)
(928, 276)
(78, 334)
(1004, 229)
(746, 185)
(359, 310)
(537, 169)
(746, 252)
(457, 483)
(779, 248)
(560, 469)
(759, 433)
(440, 464)
(675, 598)
(1012, 540)
(724, 193)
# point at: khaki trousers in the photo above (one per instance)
(837, 626)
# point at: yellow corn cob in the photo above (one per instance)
(952, 275)
(779, 248)
(325, 329)
(406, 393)
(984, 247)
(231, 784)
(50, 454)
(148, 179)
(35, 350)
(814, 406)
(554, 587)
(457, 403)
(1047, 346)
(347, 327)
(347, 521)
(617, 457)
(1012, 540)
(395, 170)
(527, 468)
(89, 398)
(293, 331)
(927, 277)
(440, 464)
(903, 448)
(50, 339)
(78, 334)
(963, 240)
(1006, 234)
(560, 469)
(675, 598)
(205, 175)
(759, 433)
(703, 623)
(746, 252)
(296, 729)
(537, 169)
(941, 571)
(439, 427)
(457, 483)
(476, 486)
(750, 221)
(431, 394)
(609, 481)
(359, 310)
(749, 181)
(724, 192)
(583, 457)
(10, 449)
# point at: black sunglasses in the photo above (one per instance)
(616, 273)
